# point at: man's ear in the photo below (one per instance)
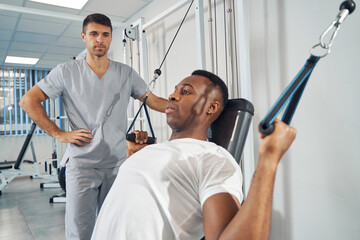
(83, 36)
(214, 108)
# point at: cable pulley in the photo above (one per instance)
(292, 94)
(157, 72)
(151, 86)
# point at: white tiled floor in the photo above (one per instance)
(26, 214)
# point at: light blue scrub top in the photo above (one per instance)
(99, 105)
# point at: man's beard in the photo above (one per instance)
(100, 53)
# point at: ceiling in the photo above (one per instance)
(50, 33)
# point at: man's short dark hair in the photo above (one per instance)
(219, 84)
(97, 18)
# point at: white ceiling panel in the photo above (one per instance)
(9, 13)
(13, 2)
(7, 22)
(74, 30)
(123, 8)
(4, 44)
(45, 18)
(3, 52)
(56, 37)
(65, 50)
(113, 18)
(35, 26)
(36, 38)
(17, 53)
(5, 34)
(48, 7)
(116, 18)
(70, 42)
(22, 46)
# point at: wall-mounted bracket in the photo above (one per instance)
(131, 33)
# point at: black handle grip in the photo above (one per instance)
(157, 71)
(131, 137)
(349, 5)
(266, 130)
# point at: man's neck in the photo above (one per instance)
(98, 64)
(196, 134)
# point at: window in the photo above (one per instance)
(14, 83)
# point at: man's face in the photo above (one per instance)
(97, 38)
(189, 102)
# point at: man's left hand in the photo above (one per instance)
(140, 142)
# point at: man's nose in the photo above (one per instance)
(99, 39)
(174, 96)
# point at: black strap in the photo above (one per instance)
(291, 95)
(131, 137)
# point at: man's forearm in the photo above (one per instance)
(37, 113)
(157, 103)
(252, 221)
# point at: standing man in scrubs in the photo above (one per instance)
(95, 92)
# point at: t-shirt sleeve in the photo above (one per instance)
(219, 173)
(52, 85)
(138, 85)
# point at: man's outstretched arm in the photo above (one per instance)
(31, 104)
(155, 102)
(224, 218)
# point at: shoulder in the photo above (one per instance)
(213, 149)
(200, 149)
(121, 66)
(124, 69)
(72, 63)
(68, 66)
(212, 155)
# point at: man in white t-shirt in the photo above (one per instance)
(186, 188)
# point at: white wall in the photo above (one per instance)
(317, 188)
(317, 185)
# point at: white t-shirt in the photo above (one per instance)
(159, 191)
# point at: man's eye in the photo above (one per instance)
(184, 92)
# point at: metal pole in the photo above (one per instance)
(236, 66)
(9, 105)
(15, 104)
(125, 49)
(230, 66)
(141, 40)
(4, 97)
(142, 48)
(245, 81)
(200, 34)
(216, 43)
(21, 110)
(211, 40)
(26, 89)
